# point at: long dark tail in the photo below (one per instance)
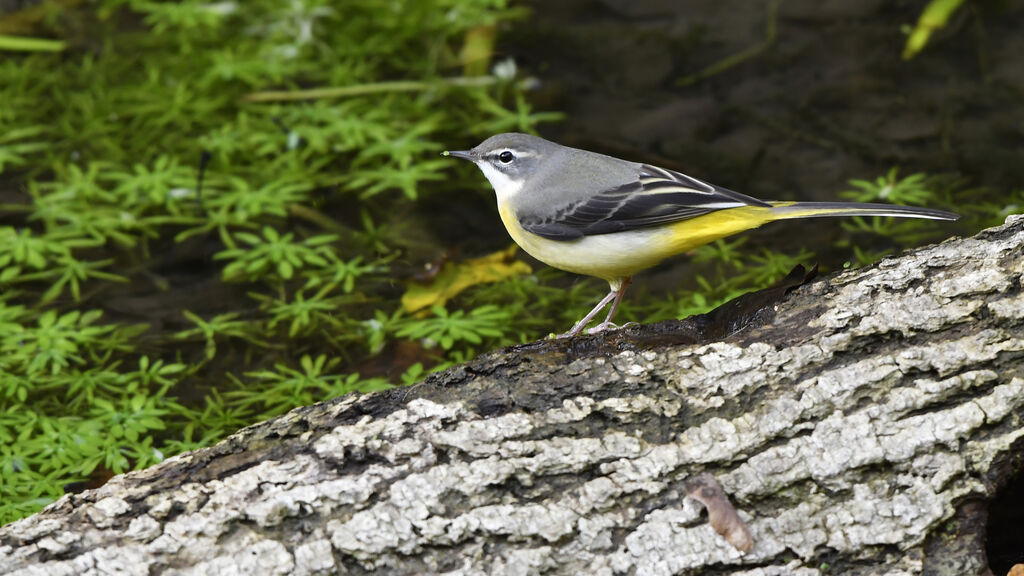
(787, 210)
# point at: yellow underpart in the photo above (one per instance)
(618, 255)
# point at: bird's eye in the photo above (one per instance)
(505, 157)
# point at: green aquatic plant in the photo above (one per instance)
(143, 162)
(445, 329)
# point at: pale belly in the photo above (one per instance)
(619, 255)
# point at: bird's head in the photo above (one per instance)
(508, 160)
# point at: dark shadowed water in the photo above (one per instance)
(831, 99)
(827, 99)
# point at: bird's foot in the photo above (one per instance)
(603, 326)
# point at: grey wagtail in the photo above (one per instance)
(600, 216)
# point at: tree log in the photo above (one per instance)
(859, 426)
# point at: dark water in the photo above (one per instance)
(830, 100)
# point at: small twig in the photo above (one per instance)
(204, 159)
(316, 217)
(740, 57)
(371, 88)
(16, 207)
(26, 44)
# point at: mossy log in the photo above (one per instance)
(860, 425)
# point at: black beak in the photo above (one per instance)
(464, 154)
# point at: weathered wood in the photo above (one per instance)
(858, 428)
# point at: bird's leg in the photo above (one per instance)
(578, 327)
(607, 324)
(618, 288)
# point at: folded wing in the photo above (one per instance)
(657, 196)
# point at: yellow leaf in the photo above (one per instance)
(934, 17)
(455, 277)
(477, 50)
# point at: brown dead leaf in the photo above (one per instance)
(721, 514)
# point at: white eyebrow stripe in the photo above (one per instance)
(519, 153)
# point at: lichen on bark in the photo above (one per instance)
(849, 425)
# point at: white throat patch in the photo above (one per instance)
(504, 186)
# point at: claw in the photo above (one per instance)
(610, 326)
(602, 327)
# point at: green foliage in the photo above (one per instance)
(17, 145)
(55, 342)
(272, 254)
(978, 208)
(448, 328)
(281, 388)
(106, 205)
(727, 270)
(911, 190)
(935, 16)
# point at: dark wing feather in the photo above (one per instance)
(657, 196)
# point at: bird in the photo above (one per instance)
(601, 216)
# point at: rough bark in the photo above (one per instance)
(859, 427)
